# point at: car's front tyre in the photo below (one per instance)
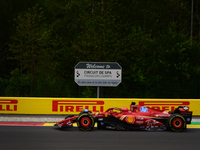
(85, 122)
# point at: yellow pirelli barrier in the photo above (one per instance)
(62, 106)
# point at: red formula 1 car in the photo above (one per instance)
(137, 118)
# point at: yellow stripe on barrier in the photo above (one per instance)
(193, 126)
(64, 106)
(49, 124)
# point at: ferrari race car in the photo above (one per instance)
(137, 118)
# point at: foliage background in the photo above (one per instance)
(155, 42)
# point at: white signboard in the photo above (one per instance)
(98, 74)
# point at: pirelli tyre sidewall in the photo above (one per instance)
(176, 123)
(85, 122)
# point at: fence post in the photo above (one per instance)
(3, 86)
(80, 92)
(119, 91)
(157, 88)
(195, 88)
(41, 87)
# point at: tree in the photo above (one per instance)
(9, 9)
(176, 60)
(32, 45)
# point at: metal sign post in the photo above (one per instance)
(97, 91)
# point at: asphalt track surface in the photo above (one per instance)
(52, 138)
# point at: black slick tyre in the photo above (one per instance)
(85, 122)
(176, 123)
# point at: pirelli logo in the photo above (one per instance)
(8, 105)
(164, 105)
(77, 105)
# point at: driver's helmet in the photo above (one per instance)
(124, 109)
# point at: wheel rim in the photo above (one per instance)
(85, 122)
(177, 123)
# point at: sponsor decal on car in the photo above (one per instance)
(164, 116)
(143, 109)
(140, 118)
(151, 122)
(130, 119)
(139, 122)
(69, 123)
(100, 119)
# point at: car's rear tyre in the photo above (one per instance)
(85, 122)
(176, 123)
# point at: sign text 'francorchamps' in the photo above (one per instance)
(98, 74)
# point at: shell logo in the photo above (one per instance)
(130, 119)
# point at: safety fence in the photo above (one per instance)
(188, 89)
